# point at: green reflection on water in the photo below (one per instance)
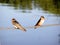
(52, 6)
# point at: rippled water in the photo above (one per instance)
(45, 35)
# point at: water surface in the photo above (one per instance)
(48, 35)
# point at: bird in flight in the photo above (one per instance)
(40, 22)
(17, 25)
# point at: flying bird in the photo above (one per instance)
(17, 25)
(40, 22)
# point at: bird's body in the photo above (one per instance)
(17, 25)
(40, 22)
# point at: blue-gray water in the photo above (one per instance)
(48, 35)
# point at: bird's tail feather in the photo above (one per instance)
(22, 28)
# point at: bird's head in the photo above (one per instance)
(42, 17)
(13, 19)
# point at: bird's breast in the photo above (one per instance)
(15, 26)
(41, 22)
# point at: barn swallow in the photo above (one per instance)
(40, 22)
(17, 25)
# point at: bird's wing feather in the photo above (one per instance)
(20, 27)
(37, 22)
